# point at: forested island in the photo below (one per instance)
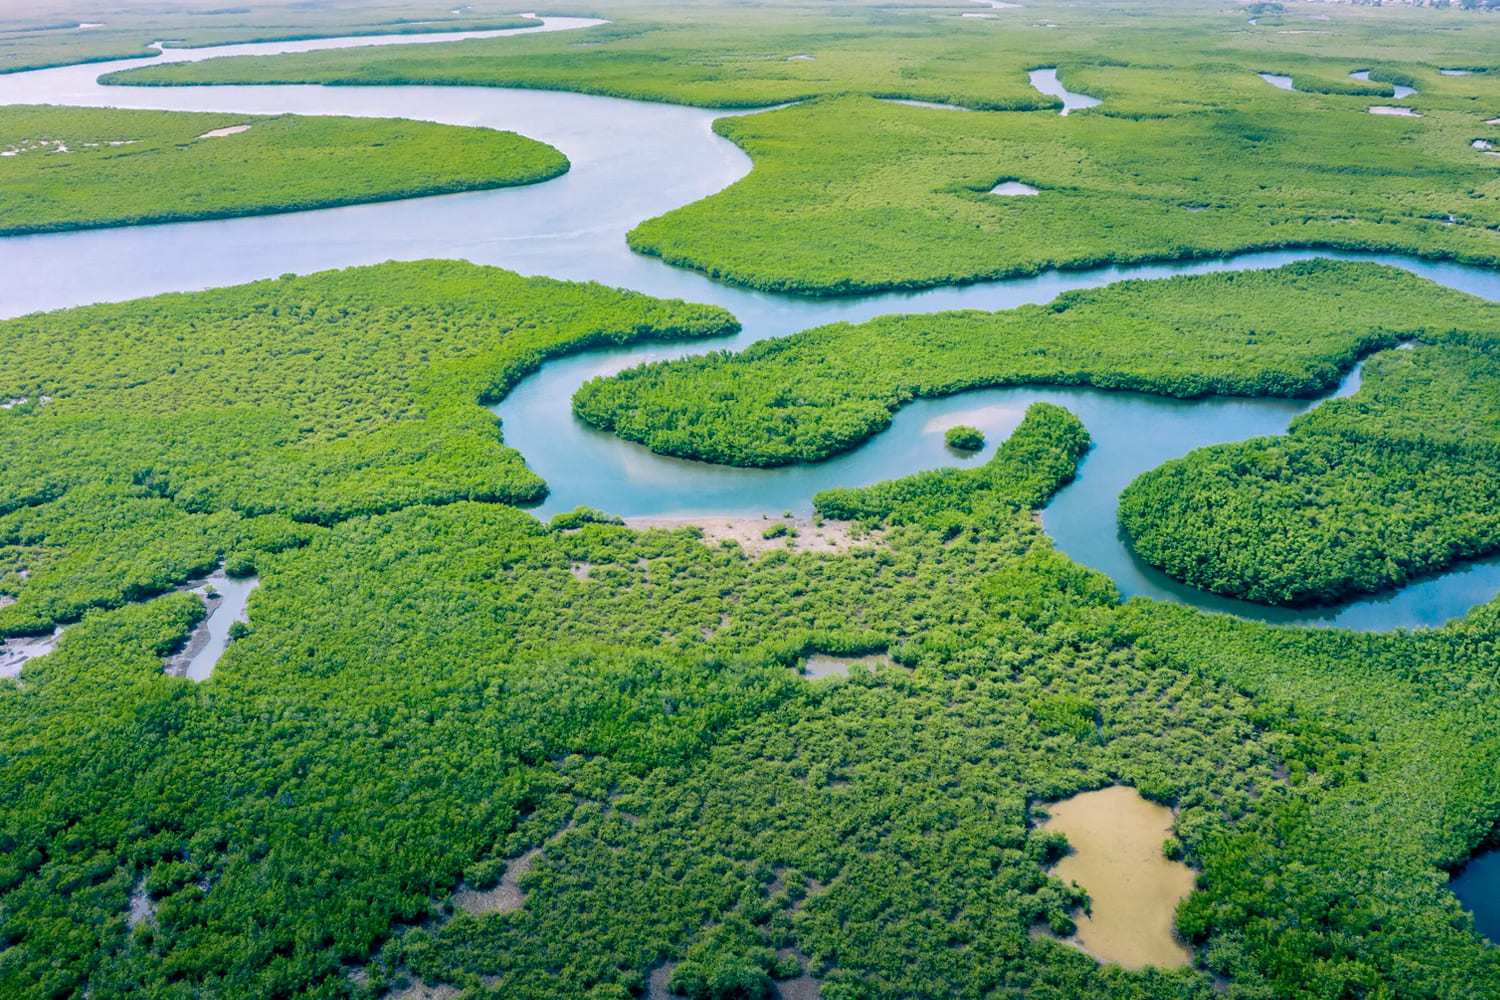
(459, 743)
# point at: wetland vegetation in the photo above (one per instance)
(1293, 331)
(79, 168)
(40, 33)
(456, 746)
(852, 194)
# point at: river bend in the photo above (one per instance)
(631, 161)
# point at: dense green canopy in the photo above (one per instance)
(78, 168)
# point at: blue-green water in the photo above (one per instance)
(631, 161)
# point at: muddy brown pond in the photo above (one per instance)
(1116, 855)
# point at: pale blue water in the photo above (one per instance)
(630, 161)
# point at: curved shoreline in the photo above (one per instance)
(634, 160)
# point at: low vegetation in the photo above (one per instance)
(1361, 495)
(155, 437)
(1190, 154)
(964, 438)
(78, 168)
(1292, 331)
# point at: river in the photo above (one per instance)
(631, 161)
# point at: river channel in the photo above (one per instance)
(631, 161)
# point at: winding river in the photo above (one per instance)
(631, 161)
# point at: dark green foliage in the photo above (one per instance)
(1292, 331)
(1361, 495)
(964, 438)
(78, 168)
(162, 436)
(777, 530)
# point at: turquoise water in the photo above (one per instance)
(631, 161)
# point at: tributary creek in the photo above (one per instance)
(631, 161)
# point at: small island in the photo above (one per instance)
(964, 438)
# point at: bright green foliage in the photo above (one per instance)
(1292, 331)
(426, 691)
(77, 168)
(1190, 154)
(852, 195)
(1398, 726)
(964, 438)
(40, 33)
(1025, 470)
(709, 55)
(156, 436)
(1361, 495)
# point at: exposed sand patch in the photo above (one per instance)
(802, 55)
(1493, 121)
(220, 133)
(1013, 189)
(506, 896)
(998, 4)
(804, 987)
(419, 990)
(981, 17)
(749, 532)
(1455, 72)
(580, 570)
(16, 653)
(1305, 31)
(142, 906)
(1386, 109)
(656, 982)
(1482, 144)
(1277, 80)
(1116, 839)
(820, 665)
(58, 146)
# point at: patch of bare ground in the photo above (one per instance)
(580, 570)
(506, 896)
(419, 990)
(142, 907)
(14, 653)
(803, 534)
(656, 982)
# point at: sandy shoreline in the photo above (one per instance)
(805, 534)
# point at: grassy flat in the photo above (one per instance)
(35, 34)
(1190, 153)
(80, 168)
